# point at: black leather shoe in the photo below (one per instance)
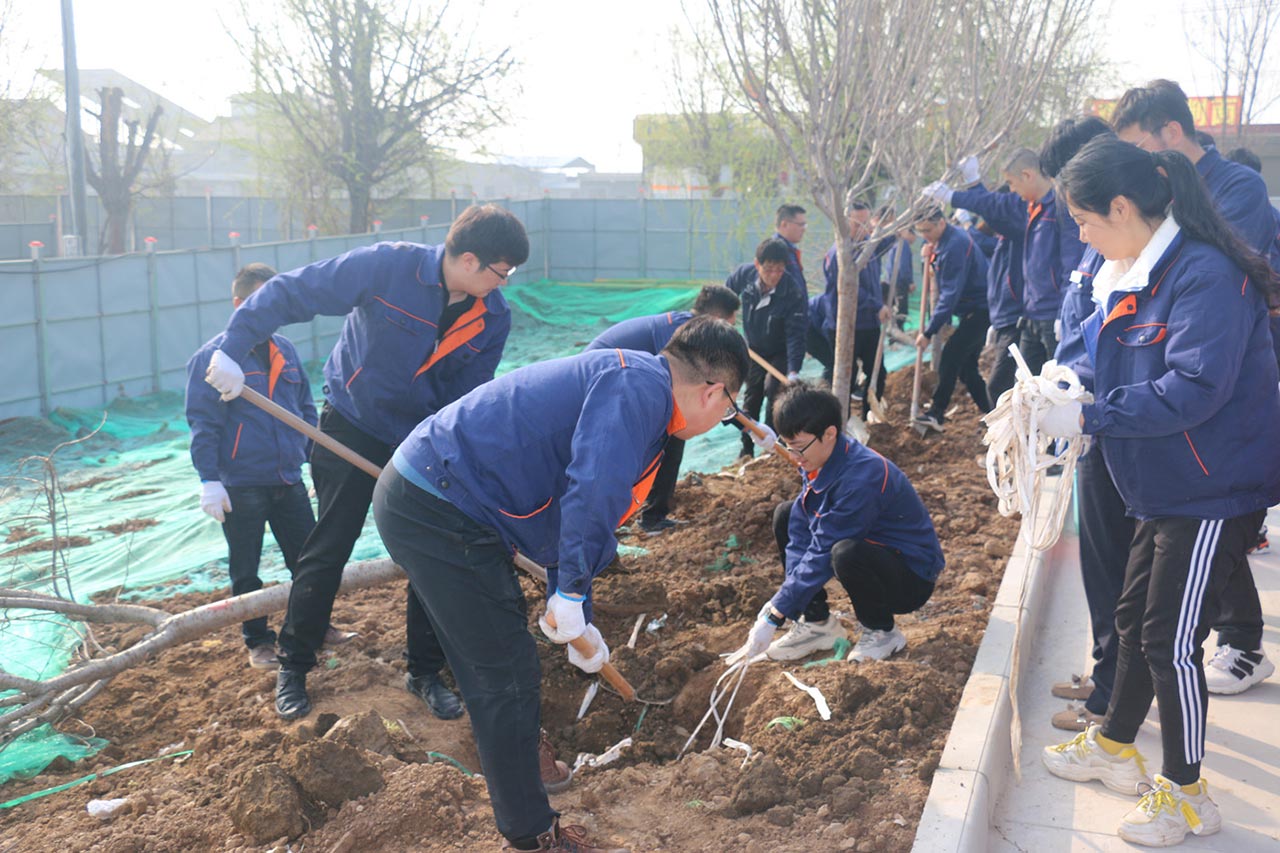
(292, 702)
(442, 701)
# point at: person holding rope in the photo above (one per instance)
(857, 519)
(424, 325)
(1186, 402)
(548, 460)
(650, 334)
(960, 270)
(775, 311)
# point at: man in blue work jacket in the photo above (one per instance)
(424, 325)
(1156, 117)
(960, 270)
(548, 460)
(250, 464)
(775, 311)
(791, 223)
(650, 334)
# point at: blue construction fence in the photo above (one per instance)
(90, 330)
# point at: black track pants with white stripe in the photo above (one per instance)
(1173, 583)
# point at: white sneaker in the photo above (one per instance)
(1081, 759)
(805, 638)
(1165, 815)
(877, 645)
(1232, 670)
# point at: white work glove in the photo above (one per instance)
(991, 336)
(566, 610)
(939, 192)
(225, 375)
(764, 442)
(214, 500)
(793, 376)
(761, 635)
(594, 663)
(1057, 329)
(964, 217)
(1062, 420)
(969, 170)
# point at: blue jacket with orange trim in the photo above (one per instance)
(1077, 306)
(795, 266)
(870, 296)
(554, 456)
(1185, 382)
(1049, 255)
(860, 495)
(236, 442)
(387, 371)
(1240, 194)
(960, 270)
(646, 334)
(777, 328)
(1006, 213)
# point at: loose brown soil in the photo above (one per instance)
(131, 526)
(47, 545)
(376, 779)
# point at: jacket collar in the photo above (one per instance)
(830, 472)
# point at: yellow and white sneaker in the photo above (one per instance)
(1083, 759)
(1166, 813)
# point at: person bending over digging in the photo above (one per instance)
(424, 325)
(857, 518)
(250, 464)
(549, 459)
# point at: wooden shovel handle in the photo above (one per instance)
(610, 673)
(769, 368)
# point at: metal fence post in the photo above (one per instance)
(644, 234)
(453, 205)
(42, 329)
(234, 237)
(153, 312)
(424, 220)
(546, 234)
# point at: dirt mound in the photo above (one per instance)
(391, 781)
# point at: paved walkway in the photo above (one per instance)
(1044, 814)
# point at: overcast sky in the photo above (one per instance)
(587, 67)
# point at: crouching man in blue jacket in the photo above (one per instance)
(549, 459)
(250, 464)
(857, 518)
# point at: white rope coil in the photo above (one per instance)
(1018, 453)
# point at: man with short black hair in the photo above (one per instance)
(775, 311)
(547, 460)
(424, 325)
(791, 222)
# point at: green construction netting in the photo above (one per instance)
(130, 492)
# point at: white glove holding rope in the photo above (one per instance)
(225, 375)
(214, 500)
(597, 661)
(566, 611)
(1062, 421)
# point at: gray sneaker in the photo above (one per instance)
(805, 638)
(877, 645)
(264, 657)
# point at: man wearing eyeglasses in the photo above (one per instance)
(424, 326)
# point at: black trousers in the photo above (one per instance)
(1038, 341)
(287, 510)
(960, 361)
(761, 387)
(1003, 371)
(865, 344)
(1173, 583)
(818, 345)
(343, 493)
(1106, 534)
(879, 582)
(658, 504)
(1239, 622)
(463, 575)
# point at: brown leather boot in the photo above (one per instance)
(567, 839)
(556, 775)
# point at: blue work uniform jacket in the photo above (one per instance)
(960, 269)
(236, 443)
(870, 296)
(1078, 306)
(906, 275)
(1051, 250)
(859, 495)
(646, 334)
(795, 266)
(390, 368)
(986, 243)
(1240, 194)
(554, 456)
(777, 330)
(1006, 213)
(1185, 382)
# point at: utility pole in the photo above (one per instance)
(75, 140)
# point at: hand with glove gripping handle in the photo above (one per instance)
(564, 620)
(225, 376)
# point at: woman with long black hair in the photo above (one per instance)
(1186, 403)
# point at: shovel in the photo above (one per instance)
(610, 673)
(925, 289)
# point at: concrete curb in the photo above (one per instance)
(977, 761)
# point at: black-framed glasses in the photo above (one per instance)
(732, 411)
(499, 273)
(798, 450)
